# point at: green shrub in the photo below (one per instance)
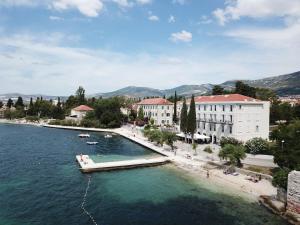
(280, 178)
(229, 140)
(257, 146)
(208, 149)
(233, 153)
(32, 118)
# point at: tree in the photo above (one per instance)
(169, 138)
(1, 104)
(19, 103)
(229, 140)
(257, 146)
(287, 145)
(141, 113)
(175, 120)
(183, 119)
(80, 95)
(217, 90)
(244, 89)
(10, 103)
(30, 111)
(233, 153)
(191, 121)
(58, 112)
(280, 178)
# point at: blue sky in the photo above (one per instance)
(53, 46)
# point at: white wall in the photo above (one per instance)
(162, 114)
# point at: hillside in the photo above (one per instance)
(288, 84)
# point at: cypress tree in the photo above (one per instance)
(10, 103)
(191, 121)
(183, 119)
(141, 113)
(19, 103)
(175, 109)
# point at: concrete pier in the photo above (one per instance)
(87, 165)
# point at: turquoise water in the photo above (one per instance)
(40, 184)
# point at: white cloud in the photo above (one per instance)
(153, 18)
(271, 38)
(35, 63)
(183, 36)
(90, 8)
(10, 3)
(143, 2)
(123, 3)
(205, 20)
(56, 18)
(181, 2)
(235, 9)
(171, 19)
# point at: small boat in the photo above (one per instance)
(92, 142)
(83, 135)
(108, 136)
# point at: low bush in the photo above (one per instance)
(208, 149)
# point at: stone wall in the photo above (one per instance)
(293, 193)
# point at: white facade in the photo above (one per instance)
(242, 120)
(160, 110)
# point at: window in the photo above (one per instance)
(230, 129)
(231, 107)
(223, 118)
(162, 121)
(215, 127)
(210, 127)
(211, 108)
(168, 114)
(215, 117)
(162, 115)
(203, 125)
(240, 107)
(257, 129)
(223, 108)
(230, 118)
(199, 107)
(215, 108)
(222, 128)
(204, 107)
(167, 107)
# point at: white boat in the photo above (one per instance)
(108, 136)
(92, 142)
(83, 135)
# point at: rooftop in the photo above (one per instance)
(83, 108)
(155, 101)
(225, 98)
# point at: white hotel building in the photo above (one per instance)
(159, 109)
(232, 115)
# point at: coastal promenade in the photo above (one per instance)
(195, 168)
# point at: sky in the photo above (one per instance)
(53, 46)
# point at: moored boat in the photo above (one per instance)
(83, 135)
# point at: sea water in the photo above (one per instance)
(40, 184)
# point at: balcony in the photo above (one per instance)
(215, 121)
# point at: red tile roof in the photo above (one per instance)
(83, 108)
(155, 101)
(225, 98)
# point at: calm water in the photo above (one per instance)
(40, 184)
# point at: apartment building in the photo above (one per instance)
(159, 109)
(231, 115)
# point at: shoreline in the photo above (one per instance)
(195, 169)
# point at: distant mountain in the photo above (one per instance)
(288, 84)
(136, 92)
(26, 98)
